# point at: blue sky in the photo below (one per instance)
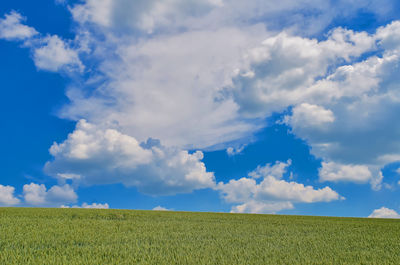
(285, 107)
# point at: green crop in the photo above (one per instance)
(84, 236)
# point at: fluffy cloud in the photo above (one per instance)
(50, 53)
(336, 172)
(204, 41)
(338, 105)
(199, 74)
(271, 193)
(53, 54)
(261, 207)
(307, 115)
(170, 88)
(282, 71)
(106, 156)
(95, 206)
(11, 27)
(88, 206)
(160, 208)
(384, 212)
(7, 197)
(364, 99)
(38, 195)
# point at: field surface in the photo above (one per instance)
(83, 236)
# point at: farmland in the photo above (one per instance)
(89, 236)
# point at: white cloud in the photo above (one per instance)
(88, 206)
(276, 170)
(50, 52)
(358, 102)
(54, 54)
(271, 188)
(334, 172)
(106, 156)
(166, 69)
(7, 197)
(160, 208)
(95, 206)
(262, 207)
(68, 176)
(272, 193)
(204, 41)
(307, 115)
(389, 36)
(170, 88)
(384, 212)
(11, 27)
(282, 71)
(38, 195)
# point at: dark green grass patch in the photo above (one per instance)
(83, 236)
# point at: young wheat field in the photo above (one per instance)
(84, 236)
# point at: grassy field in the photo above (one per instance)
(83, 236)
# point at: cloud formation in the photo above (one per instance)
(105, 156)
(203, 74)
(53, 54)
(384, 212)
(88, 206)
(266, 192)
(38, 195)
(7, 197)
(49, 53)
(11, 27)
(160, 208)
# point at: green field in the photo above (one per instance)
(82, 236)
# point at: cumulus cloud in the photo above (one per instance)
(364, 100)
(261, 207)
(334, 172)
(181, 105)
(38, 195)
(88, 206)
(308, 115)
(53, 54)
(339, 105)
(50, 52)
(160, 208)
(200, 74)
(271, 193)
(281, 71)
(384, 212)
(11, 27)
(105, 156)
(139, 84)
(7, 197)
